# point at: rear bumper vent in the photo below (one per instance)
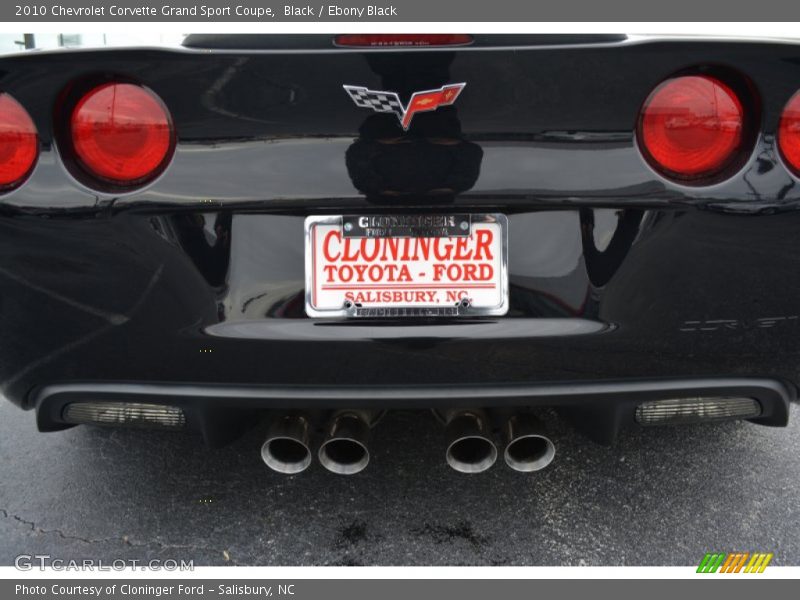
(132, 414)
(696, 410)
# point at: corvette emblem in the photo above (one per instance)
(389, 102)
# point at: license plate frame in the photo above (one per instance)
(496, 222)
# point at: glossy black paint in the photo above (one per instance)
(616, 273)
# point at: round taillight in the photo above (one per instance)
(691, 127)
(19, 143)
(122, 133)
(789, 134)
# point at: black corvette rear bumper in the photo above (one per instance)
(600, 409)
(117, 312)
(623, 284)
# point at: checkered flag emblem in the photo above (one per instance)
(385, 102)
(389, 102)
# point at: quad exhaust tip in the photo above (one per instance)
(470, 448)
(528, 448)
(344, 450)
(287, 448)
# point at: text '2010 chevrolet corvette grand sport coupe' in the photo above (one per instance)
(313, 230)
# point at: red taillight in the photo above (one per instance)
(402, 39)
(789, 134)
(122, 133)
(19, 143)
(691, 127)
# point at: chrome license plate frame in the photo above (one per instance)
(480, 299)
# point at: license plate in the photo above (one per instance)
(406, 265)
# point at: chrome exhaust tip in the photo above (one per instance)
(470, 448)
(287, 448)
(528, 448)
(344, 450)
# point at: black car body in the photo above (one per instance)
(625, 286)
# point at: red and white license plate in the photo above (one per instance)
(406, 265)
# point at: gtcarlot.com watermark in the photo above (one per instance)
(30, 562)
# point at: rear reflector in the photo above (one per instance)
(394, 40)
(132, 414)
(122, 133)
(19, 143)
(690, 127)
(789, 134)
(694, 410)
